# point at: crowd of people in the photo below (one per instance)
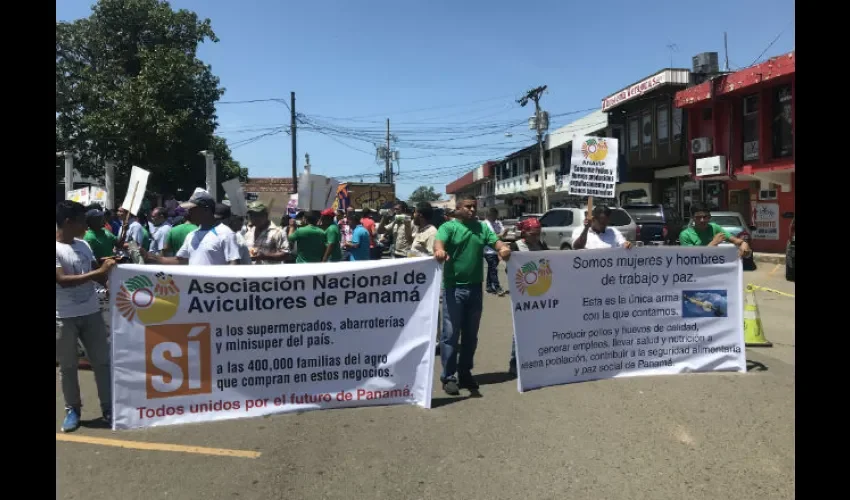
(203, 232)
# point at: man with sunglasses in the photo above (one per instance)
(704, 233)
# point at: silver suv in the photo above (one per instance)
(558, 224)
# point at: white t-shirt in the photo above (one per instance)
(81, 300)
(244, 252)
(211, 247)
(423, 240)
(135, 232)
(158, 236)
(610, 238)
(497, 227)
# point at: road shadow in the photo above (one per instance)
(438, 402)
(755, 366)
(494, 378)
(97, 423)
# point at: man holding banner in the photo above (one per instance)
(460, 245)
(597, 234)
(78, 312)
(213, 243)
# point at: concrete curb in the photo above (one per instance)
(769, 258)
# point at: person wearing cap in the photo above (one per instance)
(161, 228)
(333, 251)
(212, 244)
(310, 240)
(266, 241)
(100, 239)
(181, 227)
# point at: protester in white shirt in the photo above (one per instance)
(224, 215)
(212, 244)
(596, 234)
(78, 313)
(425, 234)
(490, 255)
(160, 229)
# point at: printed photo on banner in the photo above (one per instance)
(196, 344)
(595, 314)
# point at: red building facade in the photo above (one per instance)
(741, 131)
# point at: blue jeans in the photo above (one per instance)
(493, 285)
(462, 306)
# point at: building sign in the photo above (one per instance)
(766, 221)
(642, 87)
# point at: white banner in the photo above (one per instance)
(204, 343)
(593, 167)
(593, 314)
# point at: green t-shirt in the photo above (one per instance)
(102, 242)
(690, 237)
(177, 235)
(465, 246)
(332, 239)
(311, 243)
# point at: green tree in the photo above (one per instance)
(130, 88)
(423, 193)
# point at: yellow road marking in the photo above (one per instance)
(141, 445)
(771, 290)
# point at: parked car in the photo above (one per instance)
(733, 223)
(558, 224)
(791, 254)
(513, 234)
(656, 224)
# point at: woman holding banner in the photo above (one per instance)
(529, 242)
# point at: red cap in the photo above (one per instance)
(328, 212)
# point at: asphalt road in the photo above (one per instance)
(701, 436)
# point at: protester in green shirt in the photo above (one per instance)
(704, 233)
(460, 245)
(333, 237)
(101, 241)
(310, 240)
(175, 238)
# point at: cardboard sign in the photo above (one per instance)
(136, 190)
(233, 189)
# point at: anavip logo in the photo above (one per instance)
(534, 278)
(595, 149)
(151, 303)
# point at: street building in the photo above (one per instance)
(480, 184)
(650, 131)
(741, 136)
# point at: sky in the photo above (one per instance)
(446, 73)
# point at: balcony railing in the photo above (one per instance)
(526, 183)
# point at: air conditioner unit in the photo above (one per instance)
(701, 145)
(713, 165)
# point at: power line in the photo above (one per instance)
(772, 42)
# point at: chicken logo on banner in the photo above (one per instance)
(150, 302)
(534, 278)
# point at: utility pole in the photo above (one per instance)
(388, 159)
(726, 51)
(386, 154)
(540, 122)
(292, 132)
